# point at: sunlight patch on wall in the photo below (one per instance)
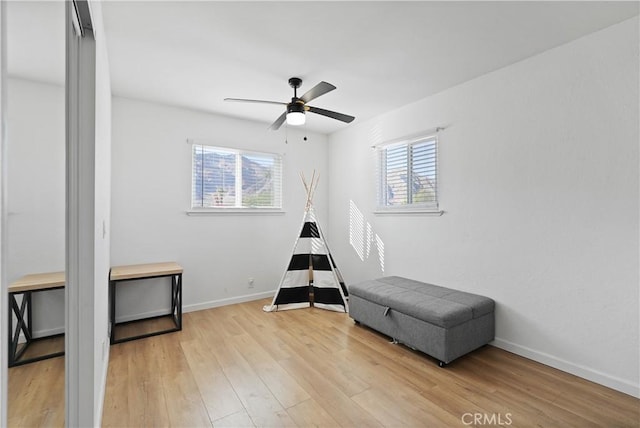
(380, 246)
(356, 229)
(362, 237)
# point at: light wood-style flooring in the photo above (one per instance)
(237, 366)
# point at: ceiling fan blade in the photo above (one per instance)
(332, 114)
(279, 121)
(320, 89)
(243, 100)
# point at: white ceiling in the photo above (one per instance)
(380, 55)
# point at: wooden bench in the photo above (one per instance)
(119, 274)
(25, 287)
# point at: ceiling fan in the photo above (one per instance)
(295, 110)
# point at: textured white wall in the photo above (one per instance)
(539, 181)
(151, 188)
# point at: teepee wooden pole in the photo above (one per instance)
(309, 187)
(310, 192)
(304, 182)
(314, 185)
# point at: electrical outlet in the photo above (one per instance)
(250, 282)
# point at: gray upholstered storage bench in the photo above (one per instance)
(438, 321)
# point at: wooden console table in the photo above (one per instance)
(120, 274)
(25, 286)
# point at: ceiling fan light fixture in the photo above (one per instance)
(295, 114)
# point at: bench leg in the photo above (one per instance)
(22, 325)
(112, 312)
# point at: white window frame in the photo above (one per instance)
(237, 208)
(383, 206)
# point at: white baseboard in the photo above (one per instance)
(43, 333)
(150, 314)
(230, 301)
(198, 306)
(166, 311)
(609, 381)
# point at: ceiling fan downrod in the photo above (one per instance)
(295, 83)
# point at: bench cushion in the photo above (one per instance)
(431, 303)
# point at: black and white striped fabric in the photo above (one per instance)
(312, 277)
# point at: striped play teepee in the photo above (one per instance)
(312, 277)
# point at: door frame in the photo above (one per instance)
(80, 105)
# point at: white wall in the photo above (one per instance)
(539, 181)
(151, 185)
(36, 193)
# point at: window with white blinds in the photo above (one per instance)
(408, 175)
(229, 178)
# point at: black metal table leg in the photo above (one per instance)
(21, 325)
(10, 335)
(179, 302)
(24, 324)
(112, 311)
(175, 314)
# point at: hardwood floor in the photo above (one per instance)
(36, 394)
(237, 366)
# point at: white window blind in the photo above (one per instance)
(408, 175)
(229, 178)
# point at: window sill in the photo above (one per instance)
(409, 211)
(235, 211)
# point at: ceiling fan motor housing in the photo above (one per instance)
(295, 106)
(295, 82)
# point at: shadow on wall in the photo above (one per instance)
(362, 238)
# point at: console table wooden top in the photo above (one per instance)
(119, 273)
(37, 281)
